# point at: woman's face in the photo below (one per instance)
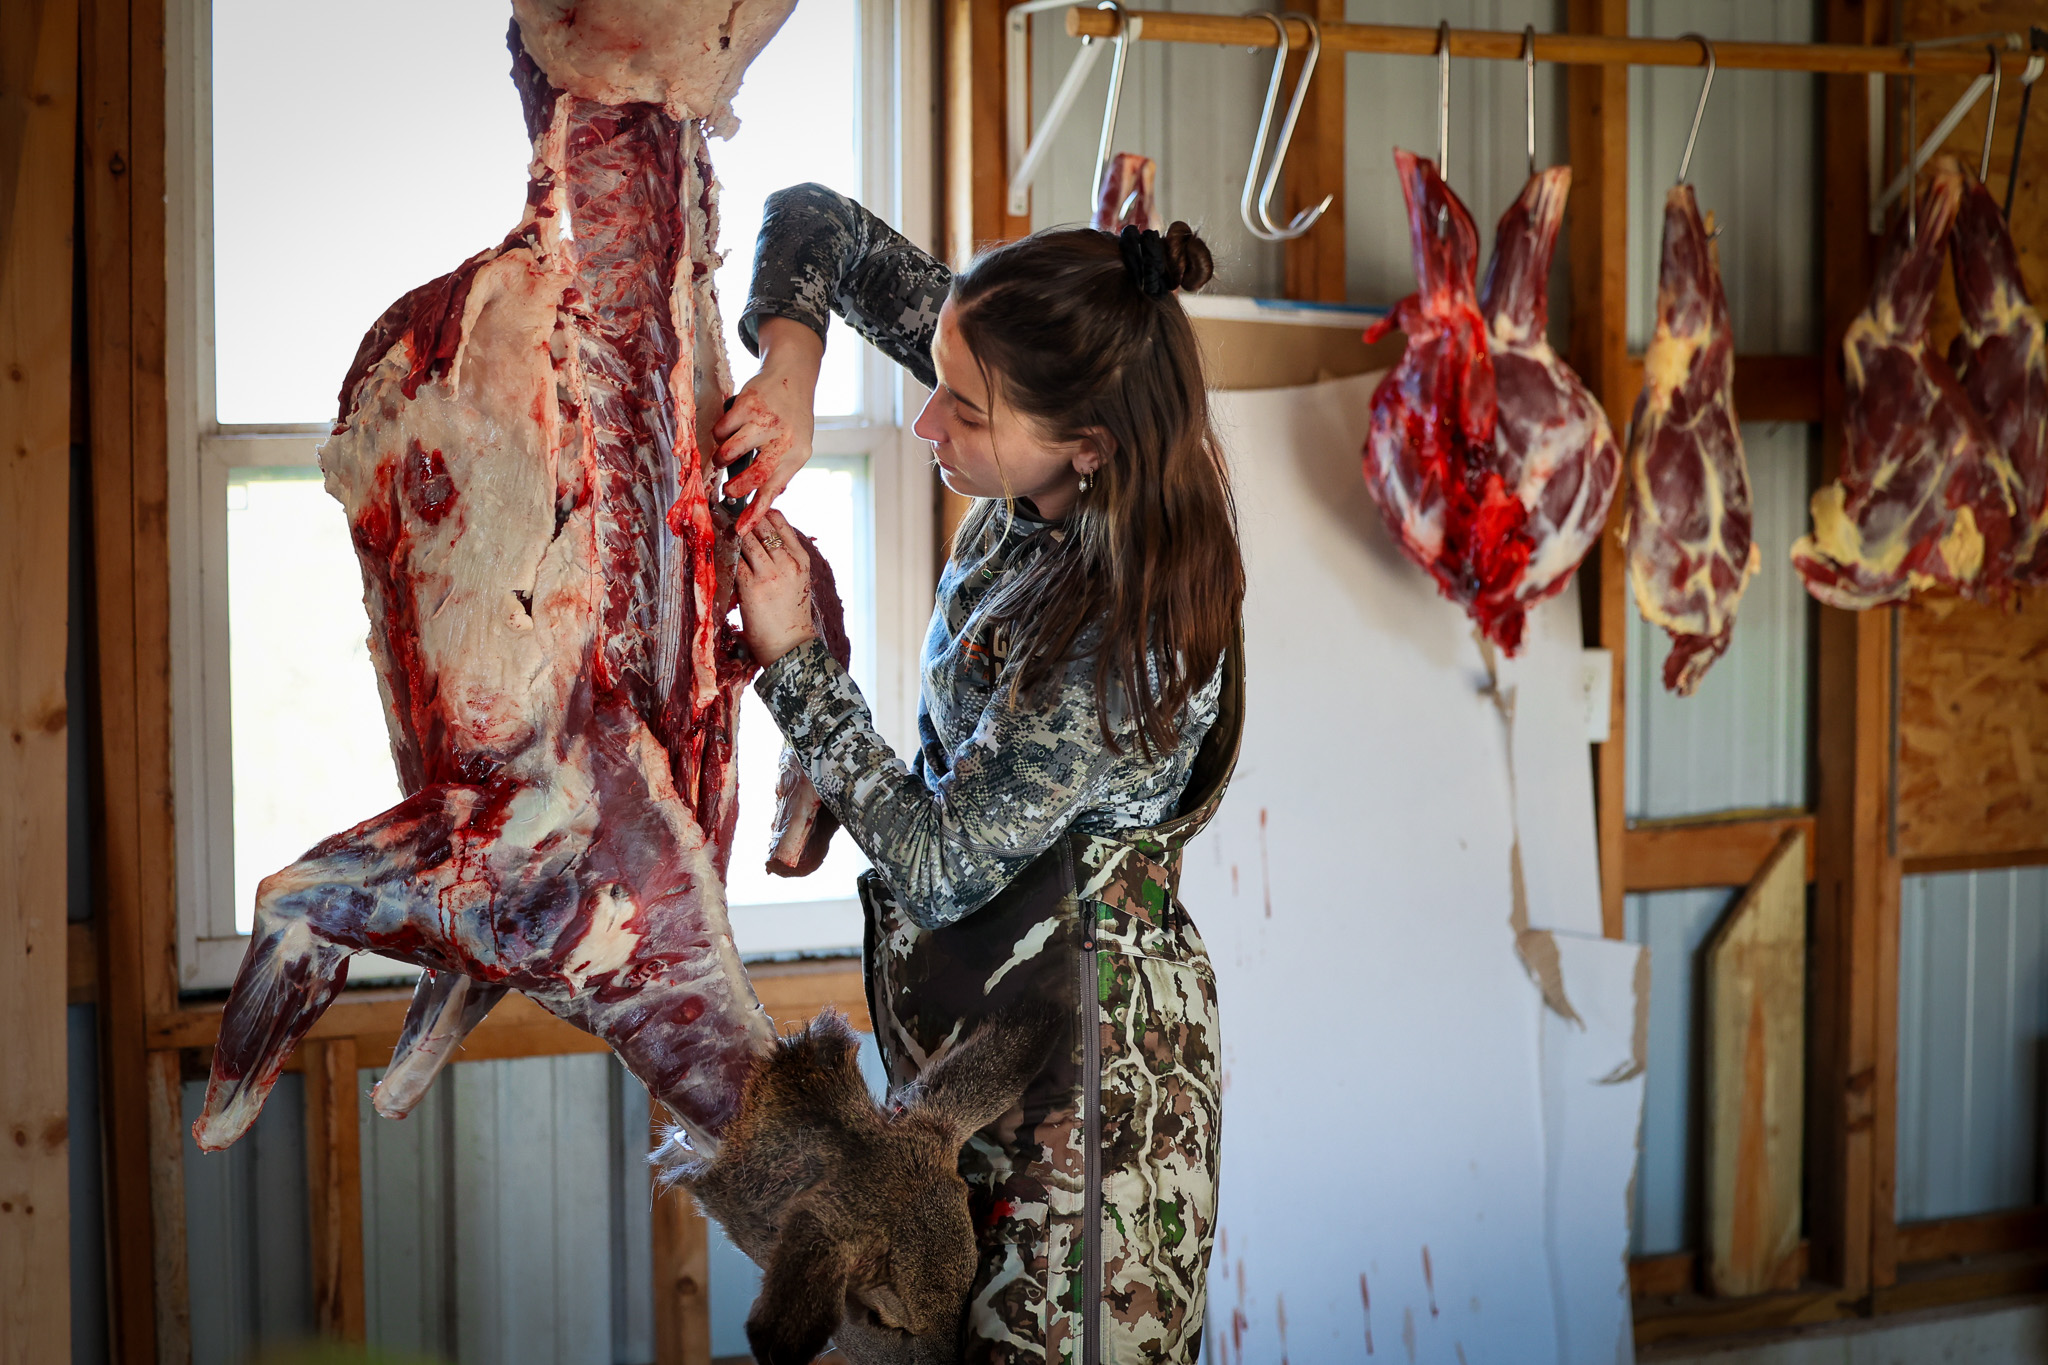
(968, 427)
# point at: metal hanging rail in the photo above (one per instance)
(1567, 48)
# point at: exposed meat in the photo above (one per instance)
(1429, 453)
(803, 826)
(1923, 500)
(1689, 549)
(521, 455)
(1551, 438)
(1124, 198)
(2001, 357)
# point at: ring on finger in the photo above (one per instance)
(772, 541)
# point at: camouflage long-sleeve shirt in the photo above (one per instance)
(993, 784)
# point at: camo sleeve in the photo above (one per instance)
(1010, 791)
(820, 253)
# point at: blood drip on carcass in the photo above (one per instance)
(521, 451)
(1491, 463)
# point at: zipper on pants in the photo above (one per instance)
(1091, 1108)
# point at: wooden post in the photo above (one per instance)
(1315, 167)
(38, 93)
(977, 172)
(334, 1189)
(682, 1272)
(1849, 1123)
(1598, 112)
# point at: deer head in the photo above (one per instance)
(857, 1213)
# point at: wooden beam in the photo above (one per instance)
(1663, 1277)
(682, 1270)
(1693, 1318)
(1851, 1076)
(1679, 856)
(38, 120)
(334, 1190)
(1965, 1282)
(81, 965)
(1598, 217)
(1988, 1234)
(1973, 862)
(791, 992)
(1575, 48)
(1768, 388)
(1315, 167)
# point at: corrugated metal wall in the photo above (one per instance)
(1973, 1041)
(1675, 925)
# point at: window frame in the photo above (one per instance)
(896, 90)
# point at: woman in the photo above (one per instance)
(1082, 651)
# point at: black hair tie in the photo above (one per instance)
(1144, 253)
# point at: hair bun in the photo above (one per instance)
(1188, 260)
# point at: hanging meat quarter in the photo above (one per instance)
(1925, 497)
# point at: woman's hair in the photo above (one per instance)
(1148, 563)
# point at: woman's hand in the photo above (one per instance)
(771, 414)
(775, 589)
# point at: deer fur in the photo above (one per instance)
(857, 1214)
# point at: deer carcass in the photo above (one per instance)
(522, 455)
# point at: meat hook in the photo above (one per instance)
(1990, 117)
(1529, 90)
(1443, 101)
(1698, 110)
(1262, 225)
(1127, 27)
(2037, 39)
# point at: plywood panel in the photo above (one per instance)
(1756, 1052)
(38, 87)
(1973, 728)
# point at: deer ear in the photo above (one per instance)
(887, 1304)
(803, 1294)
(979, 1080)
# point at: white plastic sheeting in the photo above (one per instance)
(1416, 1146)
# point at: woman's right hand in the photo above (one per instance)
(772, 414)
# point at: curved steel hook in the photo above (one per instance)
(1443, 101)
(1126, 29)
(1990, 118)
(1261, 224)
(1699, 110)
(1529, 91)
(1912, 142)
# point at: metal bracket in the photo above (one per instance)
(1027, 148)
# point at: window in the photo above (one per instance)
(320, 170)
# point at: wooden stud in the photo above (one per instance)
(1756, 1053)
(1598, 217)
(1851, 1073)
(171, 1304)
(334, 1189)
(38, 94)
(682, 1271)
(1315, 167)
(1678, 856)
(1662, 1277)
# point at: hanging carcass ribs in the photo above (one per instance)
(1491, 463)
(521, 454)
(1690, 554)
(1925, 496)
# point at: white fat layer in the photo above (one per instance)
(687, 55)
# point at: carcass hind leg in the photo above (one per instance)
(445, 1007)
(374, 887)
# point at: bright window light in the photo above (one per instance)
(349, 168)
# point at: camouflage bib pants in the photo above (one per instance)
(1094, 1201)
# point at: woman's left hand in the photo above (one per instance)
(774, 589)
